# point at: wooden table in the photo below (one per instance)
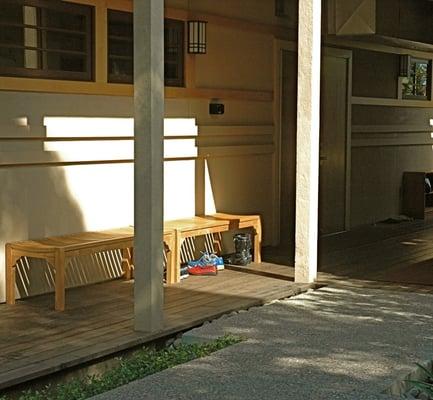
(58, 251)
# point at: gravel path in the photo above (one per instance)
(327, 344)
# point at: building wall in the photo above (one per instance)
(389, 136)
(39, 200)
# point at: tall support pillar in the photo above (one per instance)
(307, 152)
(148, 167)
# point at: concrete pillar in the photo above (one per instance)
(307, 152)
(148, 180)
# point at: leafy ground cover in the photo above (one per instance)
(143, 363)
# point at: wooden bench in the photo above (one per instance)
(212, 224)
(58, 251)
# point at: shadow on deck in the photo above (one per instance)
(36, 341)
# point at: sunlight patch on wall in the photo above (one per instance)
(73, 127)
(105, 193)
(210, 207)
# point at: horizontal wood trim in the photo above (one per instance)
(226, 94)
(242, 150)
(204, 153)
(386, 140)
(236, 130)
(372, 101)
(391, 128)
(66, 139)
(121, 5)
(62, 163)
(84, 138)
(380, 47)
(115, 89)
(65, 87)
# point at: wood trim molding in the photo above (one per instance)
(226, 94)
(101, 42)
(386, 140)
(372, 46)
(368, 129)
(115, 89)
(205, 153)
(373, 101)
(65, 87)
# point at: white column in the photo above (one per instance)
(307, 165)
(148, 181)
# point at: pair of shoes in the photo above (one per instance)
(184, 273)
(203, 270)
(208, 259)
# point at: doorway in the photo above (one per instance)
(335, 128)
(334, 193)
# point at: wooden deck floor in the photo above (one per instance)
(36, 341)
(395, 256)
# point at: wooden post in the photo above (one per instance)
(148, 180)
(308, 128)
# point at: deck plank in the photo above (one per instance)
(45, 341)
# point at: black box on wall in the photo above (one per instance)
(216, 109)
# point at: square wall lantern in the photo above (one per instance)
(197, 37)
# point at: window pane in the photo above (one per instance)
(173, 52)
(11, 13)
(120, 24)
(65, 62)
(62, 20)
(11, 58)
(418, 82)
(121, 70)
(121, 48)
(11, 35)
(64, 41)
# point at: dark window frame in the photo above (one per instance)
(43, 71)
(427, 97)
(179, 81)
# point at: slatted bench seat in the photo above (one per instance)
(212, 224)
(58, 251)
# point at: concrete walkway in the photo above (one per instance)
(328, 344)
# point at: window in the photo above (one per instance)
(46, 39)
(121, 49)
(417, 84)
(173, 52)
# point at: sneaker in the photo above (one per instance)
(184, 273)
(203, 270)
(208, 259)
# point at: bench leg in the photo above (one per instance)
(127, 263)
(217, 242)
(258, 242)
(59, 266)
(176, 259)
(172, 262)
(10, 276)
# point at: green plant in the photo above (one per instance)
(426, 386)
(143, 363)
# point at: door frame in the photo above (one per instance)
(279, 47)
(286, 45)
(346, 54)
